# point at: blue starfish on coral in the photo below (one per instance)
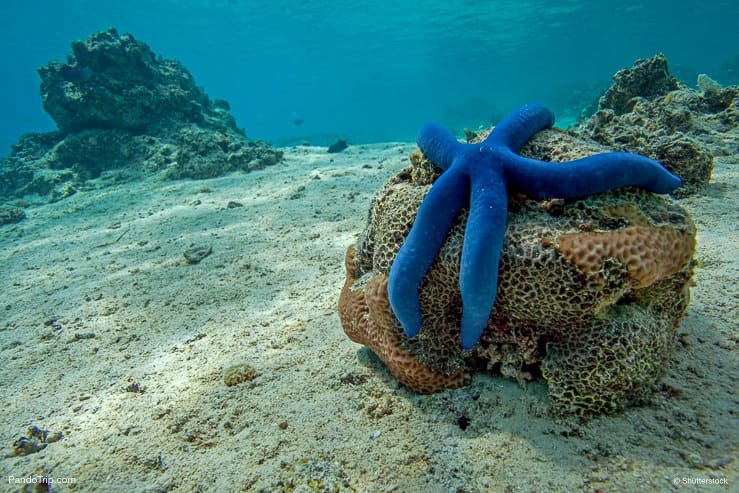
(480, 173)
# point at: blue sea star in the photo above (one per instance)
(481, 173)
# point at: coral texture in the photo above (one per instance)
(600, 328)
(121, 108)
(482, 175)
(648, 112)
(649, 77)
(366, 316)
(648, 253)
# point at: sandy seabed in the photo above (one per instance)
(108, 335)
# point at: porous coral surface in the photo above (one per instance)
(590, 291)
(366, 316)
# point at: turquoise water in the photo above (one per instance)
(374, 71)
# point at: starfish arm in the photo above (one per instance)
(433, 221)
(587, 176)
(483, 243)
(439, 145)
(518, 127)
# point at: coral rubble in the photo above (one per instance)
(590, 291)
(118, 106)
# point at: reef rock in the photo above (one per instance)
(648, 112)
(648, 78)
(590, 292)
(118, 106)
(10, 214)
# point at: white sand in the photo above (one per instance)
(267, 296)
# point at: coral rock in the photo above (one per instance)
(116, 81)
(366, 316)
(649, 253)
(10, 214)
(122, 109)
(590, 291)
(646, 111)
(648, 77)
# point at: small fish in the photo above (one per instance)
(75, 73)
(298, 122)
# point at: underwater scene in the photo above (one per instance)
(349, 246)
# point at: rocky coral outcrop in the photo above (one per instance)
(648, 78)
(647, 111)
(10, 214)
(590, 291)
(119, 106)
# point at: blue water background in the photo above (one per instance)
(372, 71)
